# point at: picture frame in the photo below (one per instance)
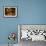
(10, 11)
(33, 30)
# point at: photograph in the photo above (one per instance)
(32, 32)
(10, 11)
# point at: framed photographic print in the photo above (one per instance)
(10, 11)
(34, 32)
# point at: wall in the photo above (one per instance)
(7, 25)
(29, 12)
